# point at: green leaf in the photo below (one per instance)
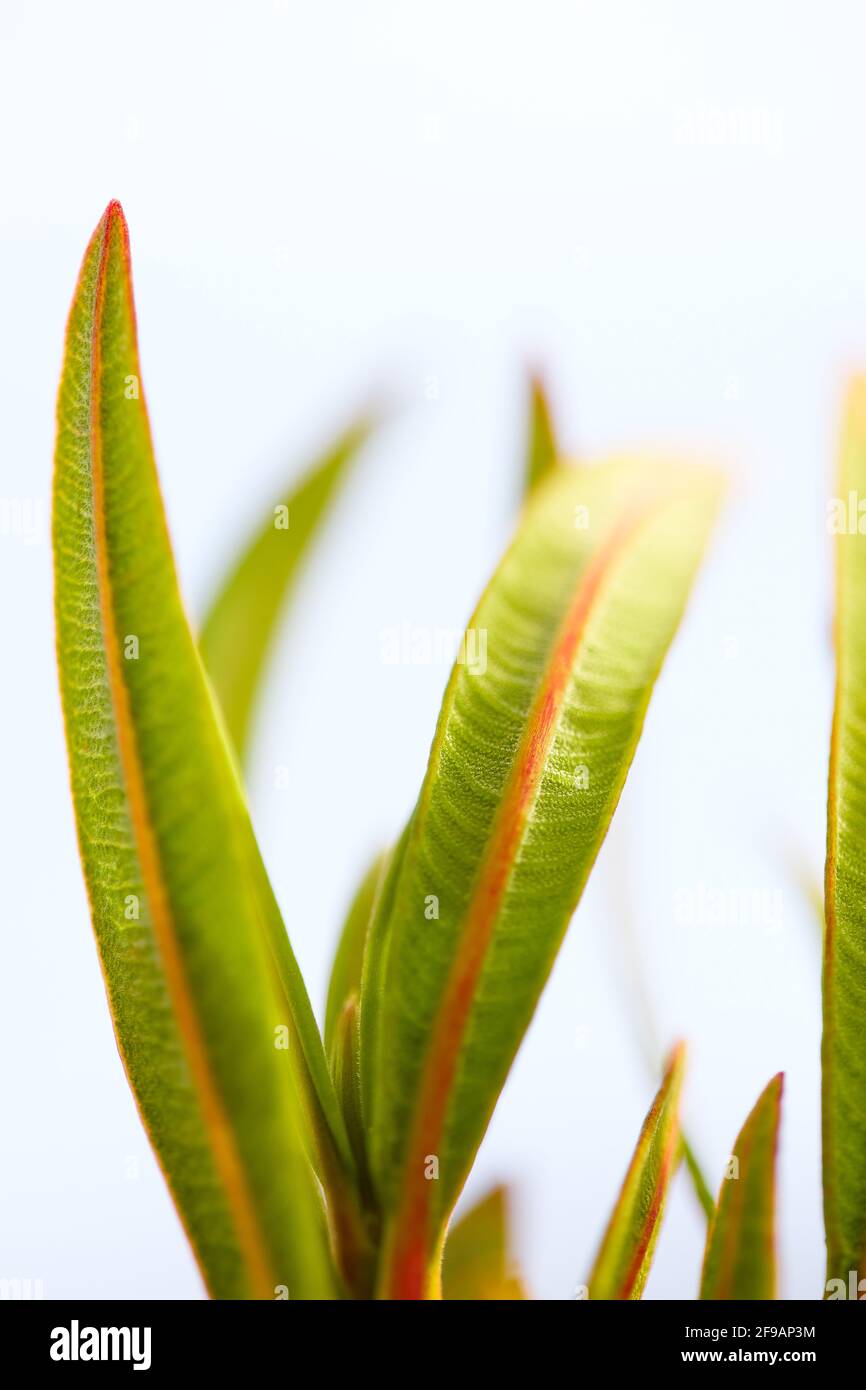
(185, 923)
(642, 1015)
(361, 1245)
(699, 1182)
(542, 453)
(626, 1253)
(740, 1257)
(240, 624)
(477, 1265)
(843, 1056)
(345, 979)
(538, 727)
(541, 447)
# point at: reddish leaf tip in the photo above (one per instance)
(114, 215)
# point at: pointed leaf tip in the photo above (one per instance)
(740, 1256)
(542, 713)
(175, 881)
(240, 626)
(542, 449)
(478, 1264)
(627, 1248)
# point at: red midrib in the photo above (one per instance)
(654, 1213)
(227, 1158)
(409, 1254)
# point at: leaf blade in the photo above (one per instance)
(239, 627)
(624, 1258)
(477, 1265)
(542, 450)
(843, 1067)
(740, 1256)
(347, 965)
(502, 777)
(542, 455)
(164, 836)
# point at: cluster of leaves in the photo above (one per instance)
(328, 1165)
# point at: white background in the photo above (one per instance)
(663, 206)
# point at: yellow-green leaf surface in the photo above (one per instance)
(542, 455)
(240, 624)
(345, 978)
(740, 1257)
(477, 1265)
(625, 1256)
(699, 1182)
(537, 730)
(347, 1079)
(640, 1006)
(843, 1055)
(184, 926)
(541, 446)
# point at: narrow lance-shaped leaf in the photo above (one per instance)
(843, 1056)
(345, 978)
(542, 454)
(347, 1079)
(239, 627)
(541, 457)
(699, 1182)
(740, 1257)
(172, 868)
(538, 727)
(478, 1265)
(541, 446)
(642, 1015)
(625, 1256)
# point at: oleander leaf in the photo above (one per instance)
(347, 1079)
(843, 1058)
(627, 1248)
(477, 1265)
(542, 455)
(541, 458)
(199, 973)
(740, 1255)
(538, 727)
(240, 624)
(542, 451)
(699, 1182)
(345, 978)
(642, 1014)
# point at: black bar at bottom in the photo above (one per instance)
(69, 1337)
